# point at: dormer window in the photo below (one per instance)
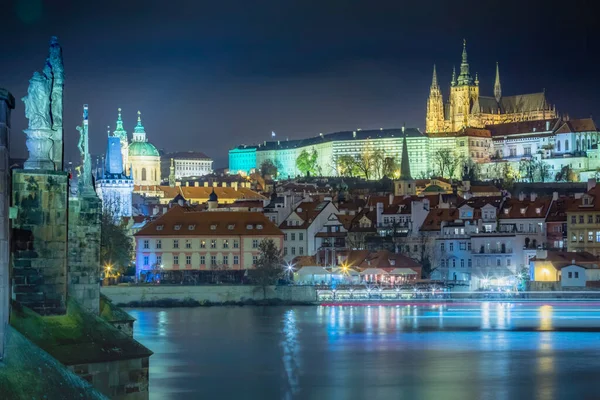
(191, 227)
(249, 226)
(213, 227)
(259, 226)
(230, 227)
(392, 262)
(522, 211)
(177, 227)
(506, 211)
(159, 227)
(538, 210)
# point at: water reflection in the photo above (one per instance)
(453, 351)
(291, 353)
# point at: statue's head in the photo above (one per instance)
(53, 40)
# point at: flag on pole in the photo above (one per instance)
(272, 134)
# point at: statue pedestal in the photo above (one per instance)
(39, 143)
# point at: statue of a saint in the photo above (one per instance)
(37, 102)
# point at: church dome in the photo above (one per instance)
(142, 149)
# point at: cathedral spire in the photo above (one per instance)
(465, 77)
(434, 80)
(497, 88)
(404, 164)
(453, 81)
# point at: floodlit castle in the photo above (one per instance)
(466, 108)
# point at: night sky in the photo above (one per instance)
(209, 75)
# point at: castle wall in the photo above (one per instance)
(7, 102)
(84, 252)
(40, 240)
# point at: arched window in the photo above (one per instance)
(589, 143)
(558, 145)
(143, 174)
(567, 145)
(576, 144)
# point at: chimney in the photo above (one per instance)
(591, 184)
(205, 184)
(391, 201)
(521, 196)
(547, 125)
(187, 184)
(165, 210)
(196, 184)
(533, 196)
(554, 196)
(541, 254)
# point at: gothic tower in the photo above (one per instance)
(497, 88)
(406, 184)
(463, 93)
(435, 107)
(122, 135)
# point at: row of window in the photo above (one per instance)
(452, 263)
(213, 244)
(581, 219)
(293, 235)
(188, 260)
(582, 234)
(293, 251)
(461, 245)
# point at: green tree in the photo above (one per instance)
(470, 170)
(307, 162)
(528, 169)
(116, 246)
(566, 174)
(543, 171)
(390, 167)
(268, 168)
(269, 266)
(346, 166)
(446, 162)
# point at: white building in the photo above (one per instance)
(302, 225)
(191, 164)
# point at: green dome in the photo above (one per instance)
(142, 149)
(434, 189)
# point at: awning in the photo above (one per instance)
(402, 271)
(374, 271)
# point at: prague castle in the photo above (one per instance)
(466, 108)
(497, 132)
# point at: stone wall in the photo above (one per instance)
(39, 244)
(84, 252)
(214, 294)
(120, 380)
(7, 102)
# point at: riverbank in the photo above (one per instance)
(196, 296)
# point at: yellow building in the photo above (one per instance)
(466, 108)
(143, 157)
(198, 194)
(583, 222)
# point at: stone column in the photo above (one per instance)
(7, 103)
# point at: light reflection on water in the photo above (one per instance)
(472, 351)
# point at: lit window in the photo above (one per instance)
(259, 226)
(225, 244)
(213, 244)
(203, 244)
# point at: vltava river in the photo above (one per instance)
(457, 351)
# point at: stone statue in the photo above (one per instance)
(37, 102)
(43, 109)
(85, 177)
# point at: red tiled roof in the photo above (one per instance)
(188, 221)
(561, 259)
(513, 208)
(517, 128)
(308, 211)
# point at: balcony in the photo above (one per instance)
(495, 251)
